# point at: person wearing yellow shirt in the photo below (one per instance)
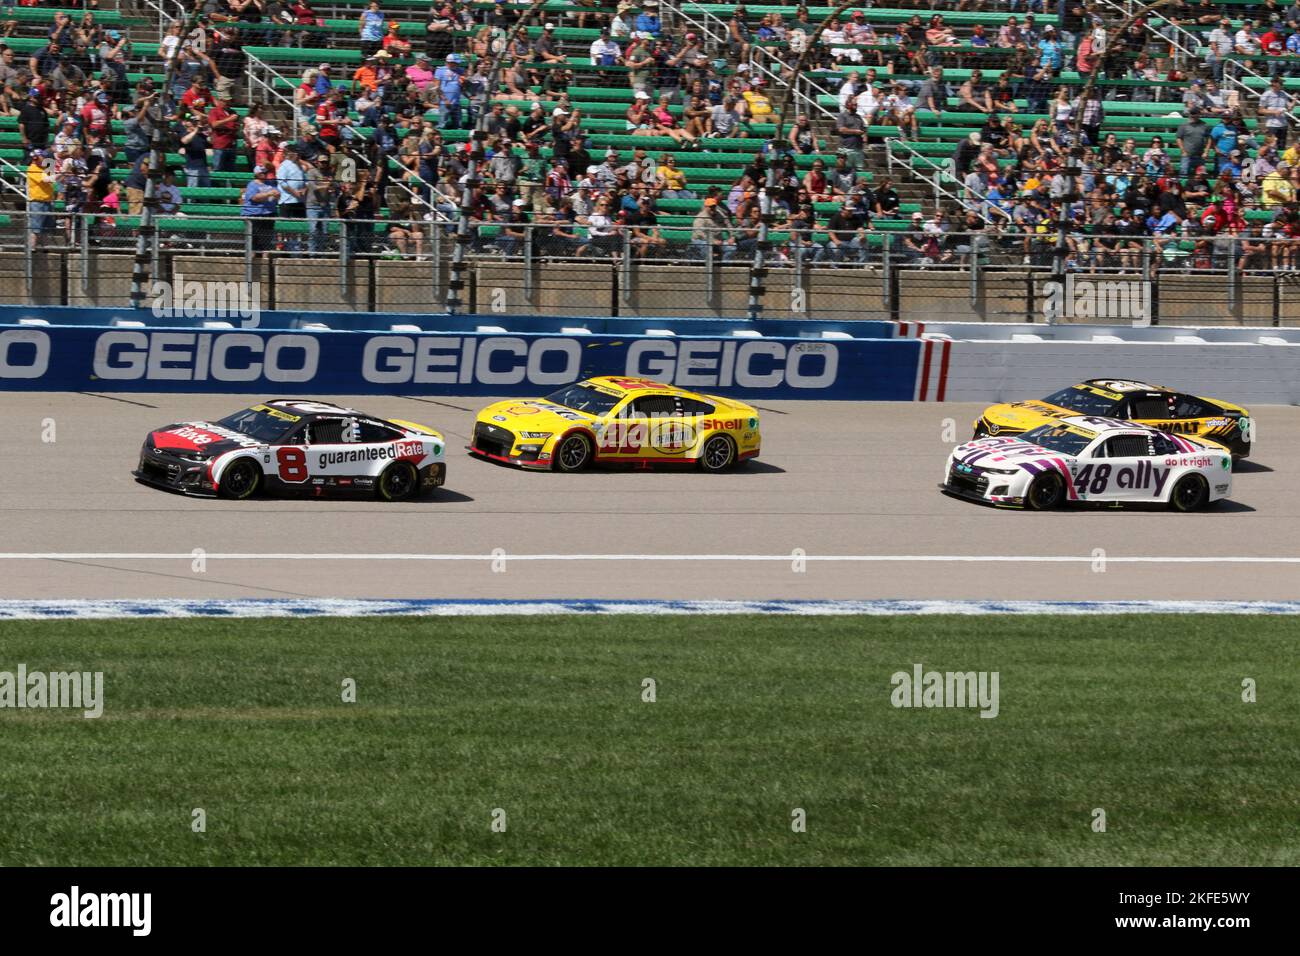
(1292, 155)
(674, 180)
(760, 107)
(1276, 189)
(40, 196)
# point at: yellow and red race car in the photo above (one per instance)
(611, 419)
(1163, 408)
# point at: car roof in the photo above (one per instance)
(1091, 423)
(631, 385)
(1122, 386)
(317, 408)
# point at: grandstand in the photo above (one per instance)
(966, 137)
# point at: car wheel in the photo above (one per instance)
(240, 480)
(398, 481)
(1189, 494)
(718, 454)
(573, 453)
(1047, 492)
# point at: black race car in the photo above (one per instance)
(293, 447)
(1164, 408)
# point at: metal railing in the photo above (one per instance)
(358, 266)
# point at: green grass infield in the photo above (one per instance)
(770, 740)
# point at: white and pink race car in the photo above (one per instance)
(295, 448)
(1088, 459)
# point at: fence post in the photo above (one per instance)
(885, 272)
(29, 247)
(710, 269)
(627, 271)
(83, 240)
(529, 264)
(435, 255)
(974, 270)
(248, 252)
(345, 241)
(800, 296)
(1232, 277)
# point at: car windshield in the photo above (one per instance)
(261, 422)
(1059, 438)
(1082, 401)
(584, 398)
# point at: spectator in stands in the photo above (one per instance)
(724, 121)
(739, 38)
(450, 92)
(803, 138)
(169, 195)
(439, 36)
(645, 237)
(710, 228)
(223, 123)
(194, 146)
(357, 209)
(673, 179)
(394, 44)
(1050, 51)
(547, 49)
(621, 26)
(370, 28)
(647, 20)
(40, 196)
(975, 94)
(137, 180)
(602, 232)
(852, 131)
(1275, 107)
(846, 236)
(662, 123)
(698, 117)
(197, 100)
(815, 183)
(291, 181)
(33, 123)
(1219, 47)
(139, 128)
(259, 202)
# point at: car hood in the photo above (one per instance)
(1022, 416)
(200, 438)
(1002, 453)
(533, 415)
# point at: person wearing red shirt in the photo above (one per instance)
(224, 125)
(330, 115)
(97, 115)
(197, 100)
(394, 43)
(270, 151)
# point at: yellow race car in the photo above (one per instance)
(1170, 411)
(611, 419)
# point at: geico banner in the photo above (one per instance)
(267, 361)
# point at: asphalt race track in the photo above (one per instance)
(835, 480)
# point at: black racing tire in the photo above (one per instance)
(718, 454)
(398, 482)
(1046, 492)
(573, 453)
(241, 479)
(1190, 493)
